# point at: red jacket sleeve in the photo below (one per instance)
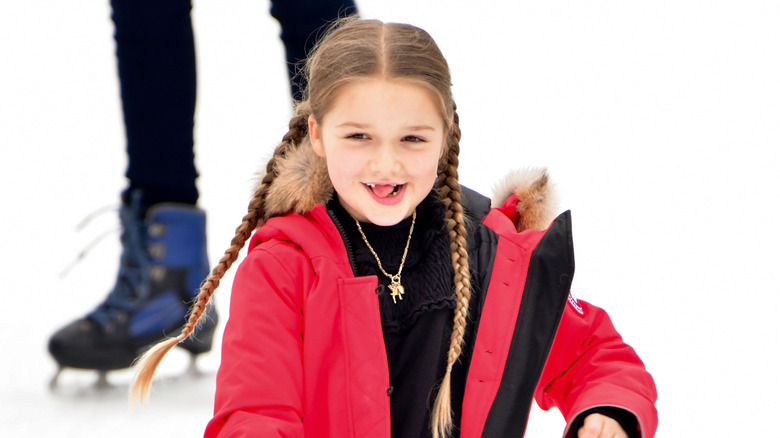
(260, 383)
(590, 365)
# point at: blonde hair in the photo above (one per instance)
(355, 50)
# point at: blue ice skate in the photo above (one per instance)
(162, 265)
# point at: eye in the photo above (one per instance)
(358, 136)
(413, 139)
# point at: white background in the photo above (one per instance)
(658, 120)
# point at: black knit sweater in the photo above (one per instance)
(417, 328)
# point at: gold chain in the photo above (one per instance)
(396, 290)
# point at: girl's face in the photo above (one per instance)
(382, 141)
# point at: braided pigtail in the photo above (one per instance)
(255, 217)
(449, 189)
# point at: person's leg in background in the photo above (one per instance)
(163, 238)
(156, 65)
(302, 22)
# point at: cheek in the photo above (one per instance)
(430, 163)
(426, 168)
(342, 168)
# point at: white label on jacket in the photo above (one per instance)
(574, 303)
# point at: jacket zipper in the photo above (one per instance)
(347, 243)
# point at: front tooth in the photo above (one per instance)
(371, 185)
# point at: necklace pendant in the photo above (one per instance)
(396, 291)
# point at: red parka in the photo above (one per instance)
(303, 352)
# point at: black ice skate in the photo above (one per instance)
(162, 265)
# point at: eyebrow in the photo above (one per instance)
(421, 128)
(352, 125)
(364, 126)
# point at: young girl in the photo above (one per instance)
(381, 298)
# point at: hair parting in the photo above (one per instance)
(147, 364)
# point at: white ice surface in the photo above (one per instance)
(659, 122)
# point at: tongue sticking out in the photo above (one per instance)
(383, 190)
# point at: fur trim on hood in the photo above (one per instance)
(537, 200)
(302, 182)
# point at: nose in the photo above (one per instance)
(387, 160)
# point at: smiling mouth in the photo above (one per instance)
(385, 190)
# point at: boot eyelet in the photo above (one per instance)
(156, 229)
(157, 273)
(157, 250)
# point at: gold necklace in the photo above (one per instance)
(396, 290)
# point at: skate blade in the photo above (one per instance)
(74, 382)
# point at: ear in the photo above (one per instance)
(315, 136)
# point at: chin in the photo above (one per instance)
(386, 219)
